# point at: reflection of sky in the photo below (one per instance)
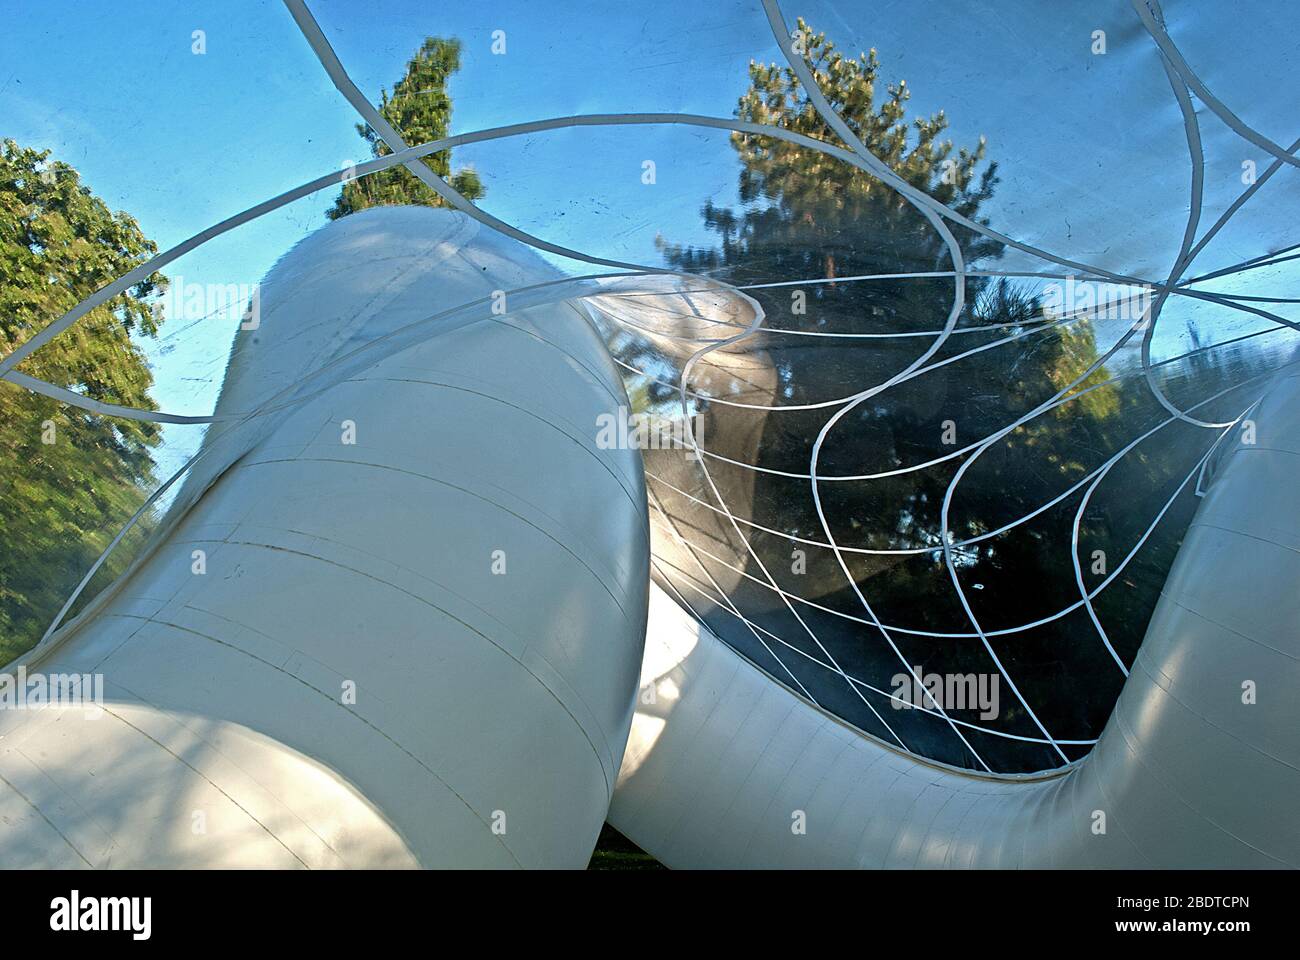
(1091, 149)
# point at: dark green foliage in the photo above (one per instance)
(61, 502)
(807, 216)
(419, 108)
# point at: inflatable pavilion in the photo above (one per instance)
(797, 436)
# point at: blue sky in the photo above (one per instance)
(1091, 148)
(182, 140)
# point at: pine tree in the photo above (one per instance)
(419, 108)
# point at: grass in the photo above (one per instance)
(616, 852)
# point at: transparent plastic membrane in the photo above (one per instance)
(929, 371)
(521, 62)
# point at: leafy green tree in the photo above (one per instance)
(818, 213)
(808, 216)
(70, 478)
(419, 108)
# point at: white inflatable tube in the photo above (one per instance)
(414, 636)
